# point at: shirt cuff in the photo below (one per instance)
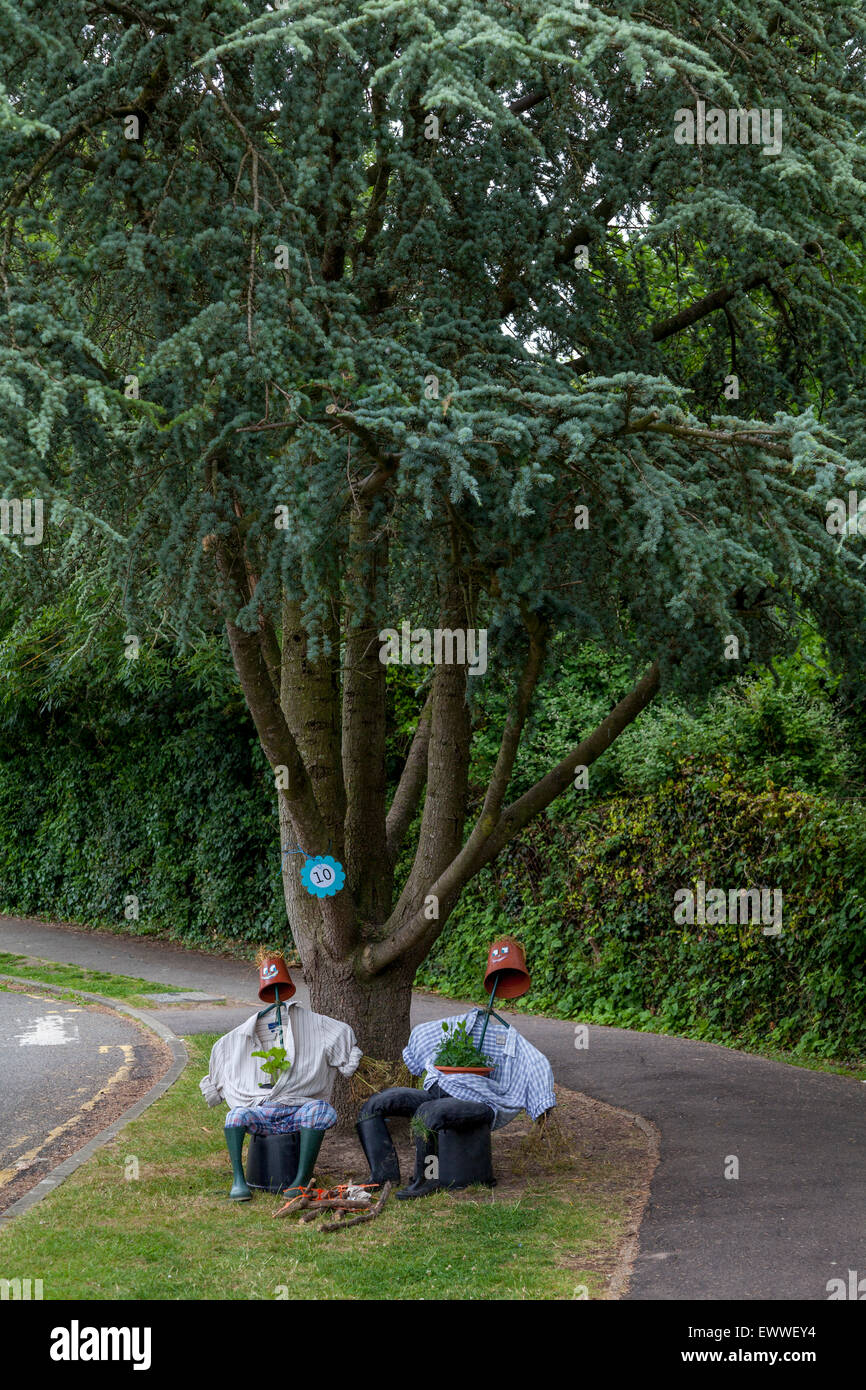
(209, 1091)
(349, 1067)
(546, 1103)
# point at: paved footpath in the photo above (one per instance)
(793, 1219)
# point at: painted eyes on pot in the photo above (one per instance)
(268, 972)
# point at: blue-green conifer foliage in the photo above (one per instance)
(320, 317)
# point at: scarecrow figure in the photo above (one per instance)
(315, 1049)
(459, 1100)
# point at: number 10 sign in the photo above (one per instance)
(322, 876)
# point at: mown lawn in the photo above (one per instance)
(170, 1233)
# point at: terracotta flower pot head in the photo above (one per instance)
(273, 971)
(506, 962)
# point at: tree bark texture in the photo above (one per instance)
(320, 713)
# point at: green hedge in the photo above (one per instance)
(180, 814)
(594, 905)
(161, 791)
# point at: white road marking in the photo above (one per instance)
(48, 1030)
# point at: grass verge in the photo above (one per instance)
(170, 1233)
(130, 988)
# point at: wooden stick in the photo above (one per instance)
(340, 1203)
(307, 1205)
(342, 1224)
(295, 1204)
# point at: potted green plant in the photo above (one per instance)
(458, 1053)
(276, 1061)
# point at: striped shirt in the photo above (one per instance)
(522, 1078)
(316, 1046)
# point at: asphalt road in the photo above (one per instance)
(58, 1063)
(792, 1219)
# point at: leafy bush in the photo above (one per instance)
(789, 736)
(783, 726)
(594, 905)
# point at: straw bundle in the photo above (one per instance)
(374, 1074)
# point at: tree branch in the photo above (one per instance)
(411, 784)
(279, 746)
(717, 299)
(751, 436)
(601, 213)
(347, 420)
(147, 21)
(363, 746)
(276, 738)
(708, 304)
(277, 742)
(447, 755)
(522, 811)
(538, 633)
(527, 102)
(414, 932)
(270, 649)
(310, 701)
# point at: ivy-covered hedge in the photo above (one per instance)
(594, 906)
(155, 786)
(178, 813)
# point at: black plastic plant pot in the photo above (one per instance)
(272, 1161)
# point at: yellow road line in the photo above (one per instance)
(7, 1174)
(15, 1143)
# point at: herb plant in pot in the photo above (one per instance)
(458, 1053)
(275, 1063)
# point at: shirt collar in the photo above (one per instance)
(250, 1026)
(474, 1013)
(511, 1034)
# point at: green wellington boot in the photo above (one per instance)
(311, 1142)
(235, 1144)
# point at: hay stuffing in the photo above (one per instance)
(374, 1074)
(546, 1146)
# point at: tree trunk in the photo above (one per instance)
(376, 1008)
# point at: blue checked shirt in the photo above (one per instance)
(522, 1078)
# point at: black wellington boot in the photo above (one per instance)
(422, 1185)
(379, 1149)
(425, 1188)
